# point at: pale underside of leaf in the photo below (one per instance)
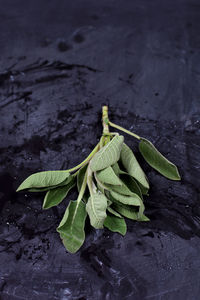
(107, 155)
(132, 166)
(108, 176)
(157, 161)
(96, 209)
(115, 224)
(56, 196)
(44, 179)
(72, 231)
(45, 189)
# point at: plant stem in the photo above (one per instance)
(83, 187)
(85, 160)
(105, 120)
(125, 130)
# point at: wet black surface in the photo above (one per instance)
(60, 62)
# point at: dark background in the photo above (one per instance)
(60, 61)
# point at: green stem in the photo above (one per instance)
(85, 160)
(125, 130)
(105, 120)
(101, 143)
(83, 187)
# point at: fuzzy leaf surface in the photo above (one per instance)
(117, 169)
(134, 199)
(45, 189)
(96, 209)
(123, 189)
(72, 225)
(132, 166)
(129, 212)
(115, 224)
(55, 196)
(108, 176)
(44, 179)
(132, 184)
(157, 161)
(107, 155)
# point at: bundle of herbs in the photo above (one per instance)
(110, 182)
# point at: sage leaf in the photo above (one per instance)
(157, 161)
(144, 190)
(132, 184)
(132, 166)
(45, 189)
(56, 196)
(123, 189)
(129, 212)
(115, 224)
(134, 199)
(107, 175)
(71, 228)
(113, 212)
(64, 219)
(100, 188)
(144, 218)
(117, 169)
(43, 179)
(107, 155)
(96, 209)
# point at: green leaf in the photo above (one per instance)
(96, 208)
(71, 228)
(132, 184)
(100, 188)
(115, 224)
(129, 212)
(117, 169)
(55, 196)
(107, 175)
(144, 190)
(157, 161)
(143, 218)
(43, 180)
(107, 155)
(134, 199)
(113, 212)
(64, 219)
(132, 166)
(45, 189)
(123, 189)
(80, 178)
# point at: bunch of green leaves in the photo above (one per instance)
(111, 186)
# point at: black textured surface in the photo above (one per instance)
(60, 62)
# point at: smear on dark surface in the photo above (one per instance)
(51, 119)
